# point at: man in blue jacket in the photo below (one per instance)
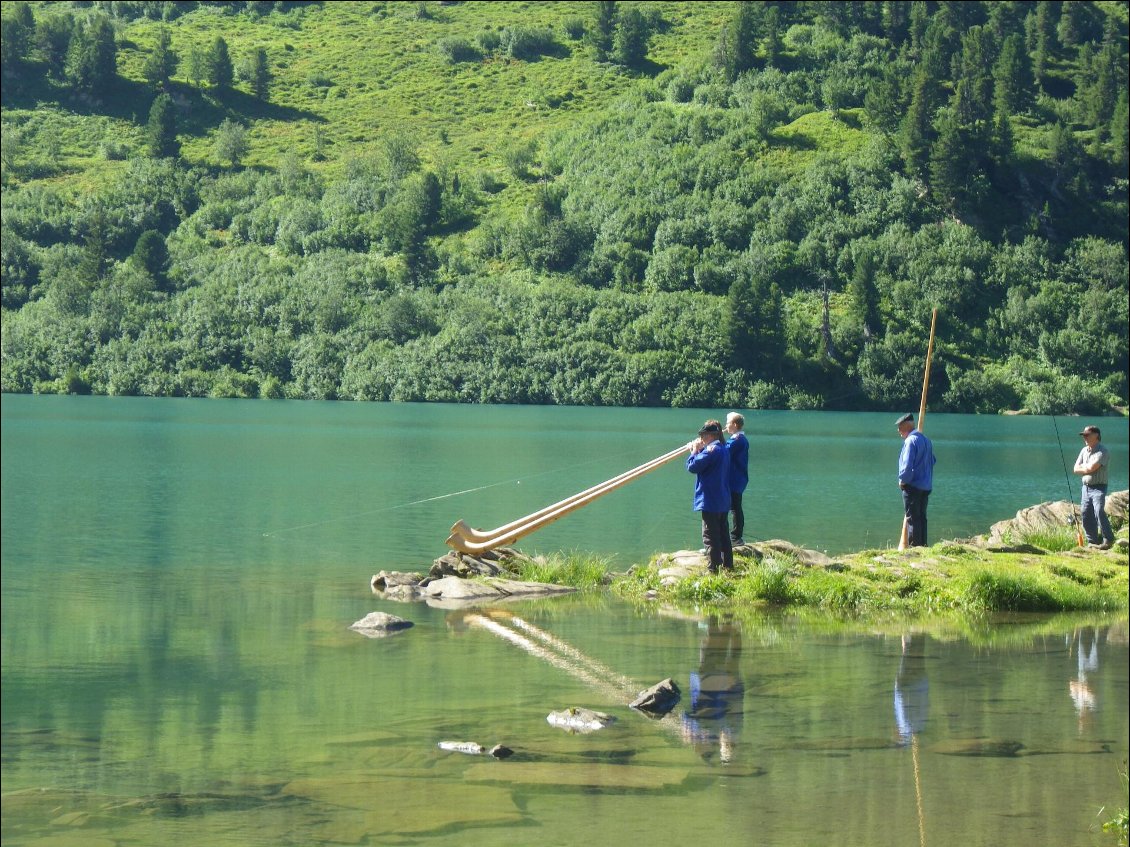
(710, 462)
(916, 479)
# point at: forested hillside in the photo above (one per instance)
(752, 205)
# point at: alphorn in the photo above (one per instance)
(467, 540)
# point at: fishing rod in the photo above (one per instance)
(1067, 479)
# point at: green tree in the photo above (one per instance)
(603, 31)
(152, 255)
(161, 136)
(260, 74)
(949, 165)
(197, 70)
(53, 40)
(737, 44)
(231, 141)
(1043, 46)
(92, 56)
(1012, 77)
(632, 36)
(17, 31)
(220, 71)
(754, 325)
(916, 130)
(161, 63)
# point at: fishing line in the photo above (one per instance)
(355, 515)
(1067, 479)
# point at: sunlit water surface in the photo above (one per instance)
(179, 576)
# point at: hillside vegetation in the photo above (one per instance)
(754, 205)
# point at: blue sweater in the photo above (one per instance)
(712, 488)
(916, 461)
(738, 448)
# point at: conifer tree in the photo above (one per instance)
(754, 325)
(916, 129)
(162, 128)
(260, 74)
(162, 62)
(1012, 77)
(18, 33)
(152, 255)
(92, 56)
(603, 30)
(949, 165)
(53, 34)
(220, 72)
(737, 44)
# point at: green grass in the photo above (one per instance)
(947, 579)
(575, 569)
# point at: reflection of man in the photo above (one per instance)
(717, 691)
(1081, 694)
(912, 688)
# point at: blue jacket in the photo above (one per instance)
(916, 461)
(738, 448)
(712, 488)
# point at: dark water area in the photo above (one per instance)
(178, 578)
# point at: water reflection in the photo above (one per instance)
(1084, 642)
(912, 688)
(713, 723)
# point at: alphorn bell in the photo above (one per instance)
(467, 540)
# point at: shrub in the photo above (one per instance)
(456, 50)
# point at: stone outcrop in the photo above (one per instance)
(681, 564)
(1049, 515)
(458, 579)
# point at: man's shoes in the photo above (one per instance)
(1106, 545)
(737, 542)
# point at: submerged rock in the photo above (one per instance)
(379, 625)
(659, 699)
(581, 720)
(468, 747)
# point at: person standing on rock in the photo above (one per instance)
(916, 479)
(710, 462)
(738, 449)
(1092, 466)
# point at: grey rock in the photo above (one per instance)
(659, 699)
(385, 580)
(379, 625)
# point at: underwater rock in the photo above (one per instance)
(659, 699)
(468, 747)
(582, 720)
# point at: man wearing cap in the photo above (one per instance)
(710, 462)
(916, 479)
(1091, 465)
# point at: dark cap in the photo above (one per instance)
(908, 418)
(711, 427)
(1090, 430)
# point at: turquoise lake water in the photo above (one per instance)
(178, 577)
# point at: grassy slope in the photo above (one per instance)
(355, 72)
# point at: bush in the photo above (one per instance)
(526, 43)
(574, 28)
(456, 50)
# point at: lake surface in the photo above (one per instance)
(178, 577)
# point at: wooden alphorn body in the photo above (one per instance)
(468, 540)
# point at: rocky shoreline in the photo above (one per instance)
(458, 580)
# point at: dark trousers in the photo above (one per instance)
(739, 515)
(914, 507)
(716, 539)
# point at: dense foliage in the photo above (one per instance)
(696, 204)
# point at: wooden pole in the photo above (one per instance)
(467, 540)
(903, 540)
